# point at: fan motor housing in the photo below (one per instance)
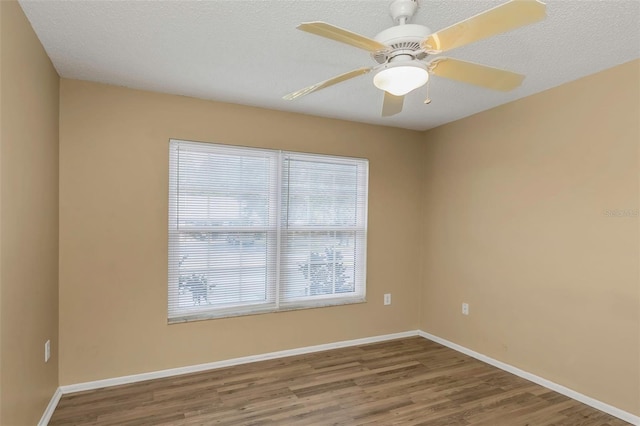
(402, 40)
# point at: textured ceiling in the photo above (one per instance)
(249, 52)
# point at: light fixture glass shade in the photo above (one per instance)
(400, 80)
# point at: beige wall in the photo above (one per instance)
(514, 224)
(113, 227)
(28, 221)
(2, 36)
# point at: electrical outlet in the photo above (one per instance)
(465, 309)
(47, 351)
(387, 299)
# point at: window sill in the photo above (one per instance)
(203, 316)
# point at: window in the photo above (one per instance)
(256, 230)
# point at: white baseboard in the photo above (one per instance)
(230, 362)
(48, 412)
(599, 405)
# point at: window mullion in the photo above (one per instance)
(279, 196)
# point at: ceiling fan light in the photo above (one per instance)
(400, 80)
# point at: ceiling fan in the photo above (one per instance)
(402, 51)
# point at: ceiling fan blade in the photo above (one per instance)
(323, 84)
(503, 18)
(479, 75)
(326, 30)
(391, 105)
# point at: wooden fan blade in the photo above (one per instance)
(391, 105)
(503, 18)
(323, 84)
(326, 30)
(479, 75)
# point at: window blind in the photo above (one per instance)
(323, 229)
(255, 230)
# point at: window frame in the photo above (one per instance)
(276, 301)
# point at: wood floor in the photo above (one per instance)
(402, 382)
